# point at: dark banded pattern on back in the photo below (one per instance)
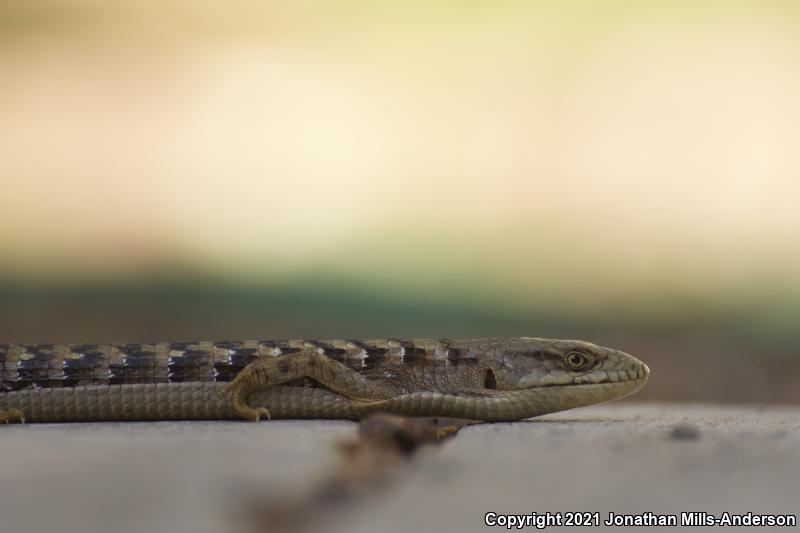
(48, 366)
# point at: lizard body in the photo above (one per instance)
(485, 379)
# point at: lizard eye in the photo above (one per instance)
(577, 360)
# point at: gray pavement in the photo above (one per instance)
(622, 458)
(194, 477)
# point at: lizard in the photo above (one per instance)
(488, 379)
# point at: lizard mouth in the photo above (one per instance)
(538, 400)
(600, 391)
(635, 383)
(596, 387)
(638, 373)
(557, 397)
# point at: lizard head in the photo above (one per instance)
(574, 372)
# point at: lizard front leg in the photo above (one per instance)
(269, 371)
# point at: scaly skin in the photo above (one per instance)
(484, 379)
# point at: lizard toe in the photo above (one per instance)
(12, 415)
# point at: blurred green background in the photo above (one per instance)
(620, 171)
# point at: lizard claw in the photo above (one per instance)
(259, 412)
(243, 410)
(253, 415)
(12, 415)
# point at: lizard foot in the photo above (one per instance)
(254, 415)
(241, 407)
(12, 415)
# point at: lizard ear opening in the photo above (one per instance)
(489, 381)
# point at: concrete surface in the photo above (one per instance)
(625, 458)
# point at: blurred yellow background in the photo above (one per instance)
(624, 171)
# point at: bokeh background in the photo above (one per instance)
(625, 172)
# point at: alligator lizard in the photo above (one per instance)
(483, 379)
